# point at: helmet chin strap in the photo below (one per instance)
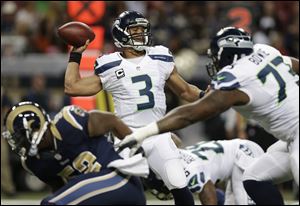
(220, 53)
(235, 57)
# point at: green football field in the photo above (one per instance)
(35, 198)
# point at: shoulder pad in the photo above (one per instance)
(159, 49)
(71, 115)
(196, 181)
(225, 80)
(106, 62)
(267, 48)
(161, 53)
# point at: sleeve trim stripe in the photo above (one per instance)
(164, 58)
(107, 66)
(225, 77)
(277, 61)
(232, 87)
(224, 84)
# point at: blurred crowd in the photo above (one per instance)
(177, 24)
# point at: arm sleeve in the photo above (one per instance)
(197, 180)
(225, 80)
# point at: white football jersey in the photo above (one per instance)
(267, 78)
(214, 160)
(137, 88)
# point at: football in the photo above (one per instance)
(76, 33)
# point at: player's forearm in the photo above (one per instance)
(77, 86)
(185, 115)
(191, 94)
(120, 129)
(71, 77)
(208, 195)
(178, 118)
(208, 200)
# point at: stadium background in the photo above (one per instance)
(34, 59)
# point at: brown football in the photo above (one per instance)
(76, 33)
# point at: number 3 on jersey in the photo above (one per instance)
(145, 92)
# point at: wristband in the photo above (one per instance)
(75, 57)
(201, 94)
(147, 131)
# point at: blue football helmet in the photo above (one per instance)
(24, 127)
(122, 36)
(229, 45)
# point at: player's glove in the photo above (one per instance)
(128, 141)
(137, 137)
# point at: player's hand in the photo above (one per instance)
(128, 141)
(207, 89)
(138, 136)
(203, 93)
(82, 48)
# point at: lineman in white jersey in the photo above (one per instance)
(208, 163)
(136, 78)
(261, 84)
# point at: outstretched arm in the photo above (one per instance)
(74, 84)
(213, 103)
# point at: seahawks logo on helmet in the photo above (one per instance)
(24, 127)
(229, 45)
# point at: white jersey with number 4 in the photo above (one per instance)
(137, 87)
(267, 78)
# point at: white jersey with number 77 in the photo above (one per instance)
(267, 78)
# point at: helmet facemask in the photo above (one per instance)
(212, 67)
(134, 41)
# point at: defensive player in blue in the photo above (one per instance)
(73, 156)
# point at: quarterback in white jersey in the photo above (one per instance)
(208, 163)
(258, 81)
(136, 78)
(137, 87)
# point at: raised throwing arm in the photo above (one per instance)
(74, 84)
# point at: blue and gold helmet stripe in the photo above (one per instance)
(16, 110)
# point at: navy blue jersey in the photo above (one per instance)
(76, 153)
